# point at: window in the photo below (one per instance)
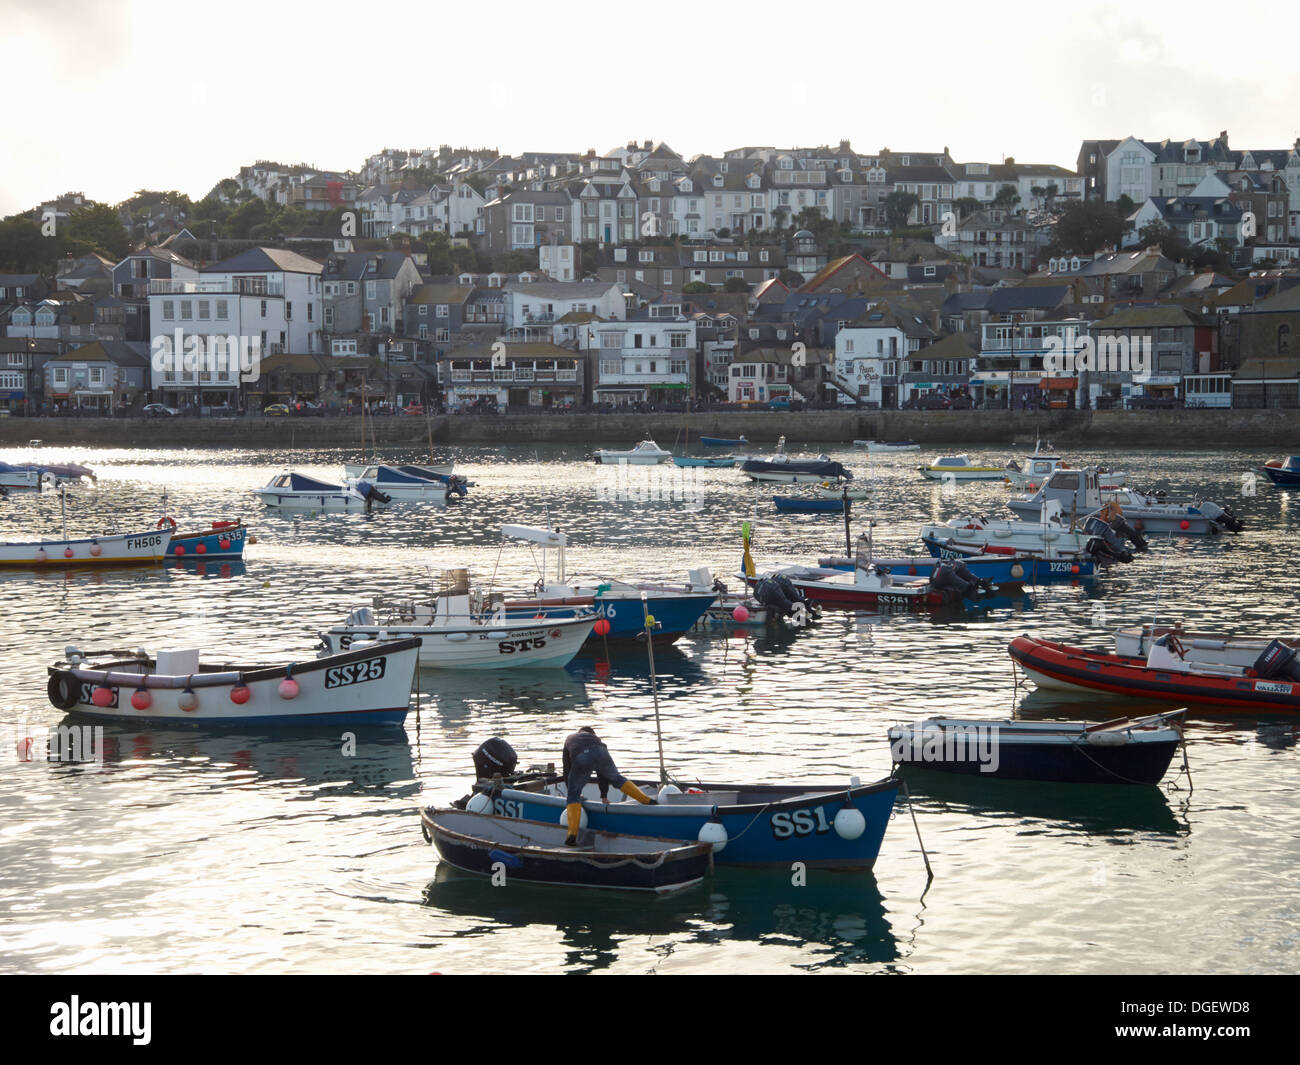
(1283, 339)
(61, 376)
(424, 310)
(204, 307)
(370, 290)
(263, 309)
(559, 214)
(187, 310)
(97, 375)
(442, 310)
(223, 309)
(168, 310)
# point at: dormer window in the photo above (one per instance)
(717, 181)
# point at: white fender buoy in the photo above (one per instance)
(582, 817)
(188, 700)
(479, 803)
(714, 832)
(849, 823)
(667, 790)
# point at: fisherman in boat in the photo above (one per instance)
(585, 753)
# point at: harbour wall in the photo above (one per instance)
(1197, 428)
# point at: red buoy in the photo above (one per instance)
(180, 549)
(102, 696)
(241, 693)
(1184, 525)
(67, 552)
(601, 628)
(141, 699)
(201, 548)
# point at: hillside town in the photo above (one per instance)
(1153, 274)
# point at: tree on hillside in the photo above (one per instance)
(1007, 198)
(1087, 226)
(25, 250)
(966, 206)
(735, 284)
(790, 278)
(99, 228)
(899, 207)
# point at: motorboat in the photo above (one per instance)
(406, 487)
(1080, 492)
(368, 685)
(883, 446)
(221, 540)
(296, 491)
(1171, 665)
(721, 462)
(623, 605)
(836, 826)
(119, 549)
(431, 472)
(646, 453)
(458, 629)
(960, 468)
(783, 469)
(1123, 751)
(1038, 467)
(514, 849)
(1282, 472)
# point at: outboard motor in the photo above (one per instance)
(795, 595)
(770, 594)
(986, 586)
(1098, 529)
(1278, 660)
(1124, 529)
(493, 758)
(1104, 554)
(1221, 516)
(950, 584)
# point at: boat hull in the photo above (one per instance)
(125, 549)
(773, 825)
(999, 570)
(1060, 757)
(1152, 521)
(850, 596)
(534, 852)
(1033, 568)
(963, 473)
(1283, 478)
(1077, 669)
(809, 506)
(675, 613)
(365, 687)
(545, 644)
(207, 543)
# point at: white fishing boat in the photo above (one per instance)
(457, 629)
(1050, 538)
(646, 453)
(149, 545)
(961, 468)
(1038, 467)
(295, 491)
(1080, 492)
(882, 446)
(370, 685)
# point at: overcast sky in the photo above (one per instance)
(110, 97)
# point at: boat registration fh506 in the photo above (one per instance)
(148, 540)
(355, 672)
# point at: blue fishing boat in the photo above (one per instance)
(1286, 474)
(1024, 566)
(1000, 569)
(721, 463)
(222, 540)
(535, 852)
(803, 505)
(722, 441)
(623, 606)
(826, 826)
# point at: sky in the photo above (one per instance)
(128, 94)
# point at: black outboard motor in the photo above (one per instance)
(1124, 529)
(949, 584)
(769, 593)
(493, 758)
(795, 595)
(1097, 528)
(1221, 516)
(1103, 554)
(1278, 660)
(986, 586)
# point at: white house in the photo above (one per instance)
(647, 360)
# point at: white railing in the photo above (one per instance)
(245, 286)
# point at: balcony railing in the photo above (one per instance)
(243, 286)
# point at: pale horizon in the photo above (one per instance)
(1025, 83)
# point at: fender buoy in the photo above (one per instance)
(64, 690)
(166, 521)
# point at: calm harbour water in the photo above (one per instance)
(262, 851)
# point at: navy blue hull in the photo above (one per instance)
(1139, 763)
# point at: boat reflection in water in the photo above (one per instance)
(455, 697)
(197, 567)
(315, 757)
(835, 919)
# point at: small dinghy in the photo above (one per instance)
(367, 686)
(1170, 665)
(221, 539)
(879, 446)
(806, 505)
(1124, 751)
(1284, 473)
(722, 462)
(534, 852)
(646, 453)
(295, 491)
(731, 608)
(960, 468)
(724, 441)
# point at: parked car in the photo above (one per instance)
(159, 410)
(928, 401)
(413, 408)
(308, 410)
(1154, 402)
(785, 403)
(276, 410)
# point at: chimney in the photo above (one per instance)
(648, 146)
(1223, 136)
